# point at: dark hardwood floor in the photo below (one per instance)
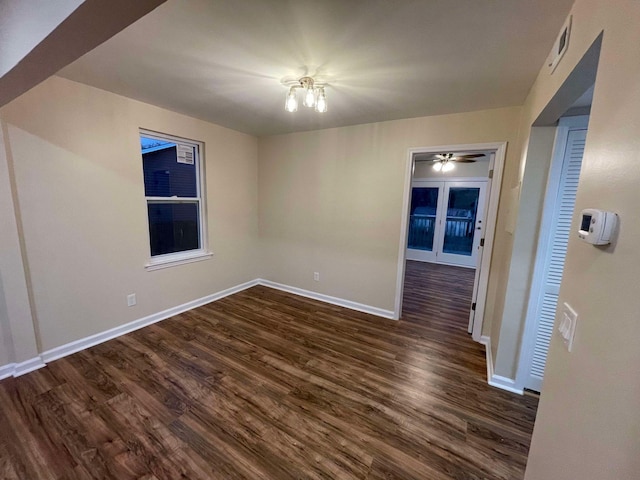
(437, 294)
(267, 385)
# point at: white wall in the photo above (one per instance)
(25, 23)
(78, 176)
(39, 37)
(331, 200)
(588, 423)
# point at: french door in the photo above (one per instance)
(445, 224)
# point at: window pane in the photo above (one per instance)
(164, 175)
(424, 202)
(461, 220)
(173, 227)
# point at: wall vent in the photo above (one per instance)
(560, 46)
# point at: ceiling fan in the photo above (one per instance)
(444, 161)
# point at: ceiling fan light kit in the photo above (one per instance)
(314, 95)
(443, 166)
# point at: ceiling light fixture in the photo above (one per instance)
(443, 165)
(314, 95)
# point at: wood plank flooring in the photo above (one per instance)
(435, 293)
(267, 385)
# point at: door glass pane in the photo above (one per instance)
(422, 222)
(462, 207)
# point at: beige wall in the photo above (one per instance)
(331, 200)
(17, 334)
(76, 155)
(588, 423)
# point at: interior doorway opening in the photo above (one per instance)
(556, 224)
(449, 223)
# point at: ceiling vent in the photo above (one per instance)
(560, 46)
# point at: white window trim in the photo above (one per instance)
(173, 259)
(203, 253)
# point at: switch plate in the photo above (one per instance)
(131, 300)
(316, 276)
(567, 325)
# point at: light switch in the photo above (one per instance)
(567, 325)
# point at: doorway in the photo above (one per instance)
(445, 221)
(557, 215)
(482, 244)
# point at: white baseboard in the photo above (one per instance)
(17, 369)
(7, 370)
(28, 366)
(494, 380)
(360, 307)
(78, 345)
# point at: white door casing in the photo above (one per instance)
(499, 150)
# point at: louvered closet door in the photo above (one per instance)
(555, 254)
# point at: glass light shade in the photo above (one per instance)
(447, 167)
(291, 104)
(437, 166)
(309, 98)
(321, 102)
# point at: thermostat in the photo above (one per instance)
(597, 226)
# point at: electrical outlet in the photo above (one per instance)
(316, 276)
(131, 300)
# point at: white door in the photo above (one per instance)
(445, 221)
(461, 223)
(424, 227)
(552, 247)
(480, 229)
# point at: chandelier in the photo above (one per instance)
(313, 95)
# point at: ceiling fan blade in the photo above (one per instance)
(462, 160)
(441, 157)
(428, 158)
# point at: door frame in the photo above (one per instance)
(494, 185)
(565, 125)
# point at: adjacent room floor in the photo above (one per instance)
(268, 385)
(437, 294)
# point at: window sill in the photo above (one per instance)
(176, 259)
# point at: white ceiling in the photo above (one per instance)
(223, 61)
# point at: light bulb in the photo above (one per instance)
(309, 97)
(321, 103)
(437, 166)
(291, 104)
(447, 167)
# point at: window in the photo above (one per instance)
(173, 190)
